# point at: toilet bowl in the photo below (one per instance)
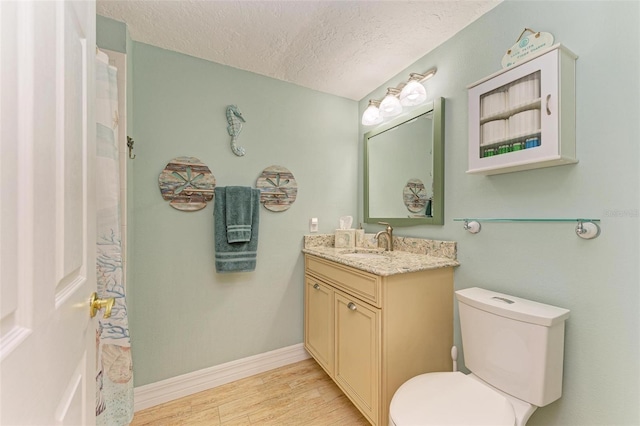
(438, 399)
(514, 349)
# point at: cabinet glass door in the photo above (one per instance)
(510, 117)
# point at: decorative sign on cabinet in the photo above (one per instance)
(524, 117)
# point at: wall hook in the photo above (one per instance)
(130, 146)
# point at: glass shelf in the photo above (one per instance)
(586, 228)
(582, 219)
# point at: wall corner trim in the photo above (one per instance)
(177, 387)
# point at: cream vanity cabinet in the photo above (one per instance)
(372, 333)
(523, 117)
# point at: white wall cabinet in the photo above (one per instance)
(523, 117)
(373, 333)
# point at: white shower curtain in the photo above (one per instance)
(114, 387)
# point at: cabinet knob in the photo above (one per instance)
(316, 286)
(352, 306)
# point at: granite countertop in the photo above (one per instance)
(409, 255)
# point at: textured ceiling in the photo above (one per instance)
(345, 48)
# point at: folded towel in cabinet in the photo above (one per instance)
(236, 256)
(239, 211)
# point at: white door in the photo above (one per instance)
(47, 213)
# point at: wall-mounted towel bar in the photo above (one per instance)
(585, 228)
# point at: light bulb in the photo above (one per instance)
(371, 115)
(413, 93)
(390, 106)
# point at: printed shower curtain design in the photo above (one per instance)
(114, 387)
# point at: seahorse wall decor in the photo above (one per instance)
(235, 120)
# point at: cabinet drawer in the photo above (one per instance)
(360, 284)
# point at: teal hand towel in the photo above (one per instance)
(239, 211)
(240, 256)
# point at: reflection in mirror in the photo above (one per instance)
(404, 157)
(404, 169)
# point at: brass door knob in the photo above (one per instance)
(96, 304)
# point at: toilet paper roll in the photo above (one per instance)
(524, 90)
(525, 122)
(493, 131)
(515, 94)
(493, 103)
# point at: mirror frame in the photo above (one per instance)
(437, 209)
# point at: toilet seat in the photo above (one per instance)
(450, 398)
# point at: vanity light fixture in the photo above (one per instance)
(408, 94)
(413, 93)
(390, 105)
(372, 115)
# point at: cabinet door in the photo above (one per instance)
(318, 322)
(357, 353)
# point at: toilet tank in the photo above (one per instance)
(514, 344)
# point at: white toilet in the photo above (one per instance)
(514, 349)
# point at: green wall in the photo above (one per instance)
(111, 34)
(597, 280)
(184, 316)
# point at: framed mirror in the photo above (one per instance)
(404, 169)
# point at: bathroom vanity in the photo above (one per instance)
(375, 319)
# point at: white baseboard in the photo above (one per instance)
(177, 387)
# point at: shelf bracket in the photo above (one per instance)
(587, 230)
(473, 226)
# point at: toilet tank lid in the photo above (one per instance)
(512, 307)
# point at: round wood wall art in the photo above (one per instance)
(278, 188)
(187, 183)
(414, 195)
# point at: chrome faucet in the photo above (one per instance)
(387, 233)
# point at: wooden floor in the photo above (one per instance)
(296, 394)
